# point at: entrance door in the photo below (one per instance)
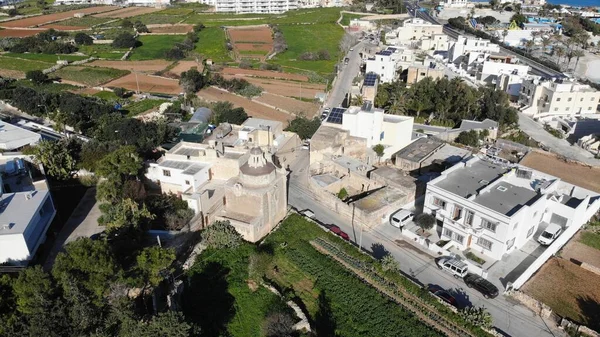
(469, 241)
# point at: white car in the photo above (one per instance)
(453, 266)
(549, 234)
(401, 218)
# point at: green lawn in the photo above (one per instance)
(139, 107)
(50, 58)
(310, 38)
(155, 46)
(347, 17)
(12, 63)
(212, 44)
(590, 239)
(90, 76)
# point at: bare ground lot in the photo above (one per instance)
(575, 250)
(151, 84)
(182, 66)
(294, 106)
(286, 88)
(251, 42)
(127, 12)
(19, 32)
(569, 290)
(252, 108)
(264, 74)
(571, 172)
(149, 67)
(12, 73)
(42, 19)
(65, 28)
(172, 29)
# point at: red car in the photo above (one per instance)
(336, 230)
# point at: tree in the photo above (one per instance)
(174, 53)
(390, 264)
(357, 100)
(578, 53)
(119, 92)
(221, 234)
(529, 46)
(192, 80)
(545, 43)
(57, 157)
(153, 264)
(121, 163)
(33, 291)
(224, 112)
(469, 138)
(83, 39)
(519, 19)
(199, 27)
(165, 324)
(124, 40)
(425, 221)
(140, 27)
(379, 150)
(279, 324)
(342, 194)
(347, 42)
(504, 34)
(494, 3)
(88, 262)
(123, 214)
(127, 24)
(36, 76)
(305, 128)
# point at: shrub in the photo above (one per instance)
(389, 263)
(245, 64)
(119, 92)
(342, 194)
(124, 40)
(83, 39)
(174, 54)
(36, 76)
(221, 234)
(425, 221)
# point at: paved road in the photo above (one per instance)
(556, 145)
(343, 81)
(510, 317)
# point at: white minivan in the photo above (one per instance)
(550, 234)
(401, 218)
(453, 266)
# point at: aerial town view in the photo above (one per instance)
(299, 168)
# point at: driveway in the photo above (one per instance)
(559, 146)
(508, 315)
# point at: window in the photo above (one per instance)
(581, 100)
(469, 218)
(568, 108)
(166, 173)
(515, 226)
(187, 182)
(530, 231)
(457, 214)
(555, 109)
(448, 232)
(570, 99)
(486, 244)
(510, 243)
(439, 202)
(458, 238)
(490, 226)
(558, 99)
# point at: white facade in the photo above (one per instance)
(392, 131)
(412, 30)
(253, 6)
(144, 3)
(388, 62)
(506, 76)
(464, 45)
(436, 42)
(544, 98)
(494, 210)
(455, 3)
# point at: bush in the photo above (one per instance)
(245, 64)
(425, 221)
(221, 234)
(12, 12)
(342, 194)
(140, 27)
(36, 76)
(174, 54)
(119, 92)
(469, 138)
(127, 24)
(250, 91)
(124, 40)
(305, 128)
(83, 39)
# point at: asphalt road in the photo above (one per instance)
(343, 81)
(509, 316)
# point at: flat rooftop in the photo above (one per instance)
(469, 180)
(379, 199)
(420, 149)
(12, 137)
(188, 167)
(506, 198)
(259, 123)
(16, 210)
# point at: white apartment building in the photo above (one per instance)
(493, 209)
(505, 76)
(455, 3)
(412, 30)
(541, 98)
(372, 124)
(252, 6)
(464, 46)
(26, 210)
(436, 42)
(388, 62)
(145, 3)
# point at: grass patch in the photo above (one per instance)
(90, 76)
(155, 46)
(12, 63)
(347, 17)
(139, 107)
(212, 44)
(107, 95)
(176, 11)
(474, 258)
(50, 58)
(48, 87)
(310, 38)
(158, 18)
(590, 239)
(103, 51)
(86, 21)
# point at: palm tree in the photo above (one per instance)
(357, 100)
(545, 43)
(560, 52)
(529, 45)
(578, 53)
(504, 34)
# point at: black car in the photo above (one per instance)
(482, 285)
(443, 295)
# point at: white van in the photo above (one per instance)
(549, 234)
(401, 218)
(453, 266)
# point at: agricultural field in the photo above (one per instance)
(148, 67)
(127, 12)
(50, 58)
(139, 107)
(346, 17)
(176, 69)
(212, 44)
(251, 42)
(154, 46)
(44, 19)
(19, 32)
(294, 106)
(89, 76)
(310, 38)
(150, 84)
(49, 87)
(103, 51)
(85, 22)
(173, 29)
(21, 66)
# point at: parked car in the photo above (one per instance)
(482, 285)
(336, 230)
(443, 295)
(453, 266)
(549, 234)
(401, 218)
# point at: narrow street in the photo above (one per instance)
(509, 316)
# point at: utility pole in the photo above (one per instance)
(136, 81)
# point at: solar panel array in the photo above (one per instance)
(384, 53)
(370, 79)
(335, 116)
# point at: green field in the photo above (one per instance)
(50, 58)
(590, 239)
(47, 87)
(107, 96)
(90, 76)
(212, 44)
(86, 21)
(155, 46)
(103, 51)
(12, 63)
(139, 107)
(310, 38)
(158, 18)
(347, 17)
(303, 16)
